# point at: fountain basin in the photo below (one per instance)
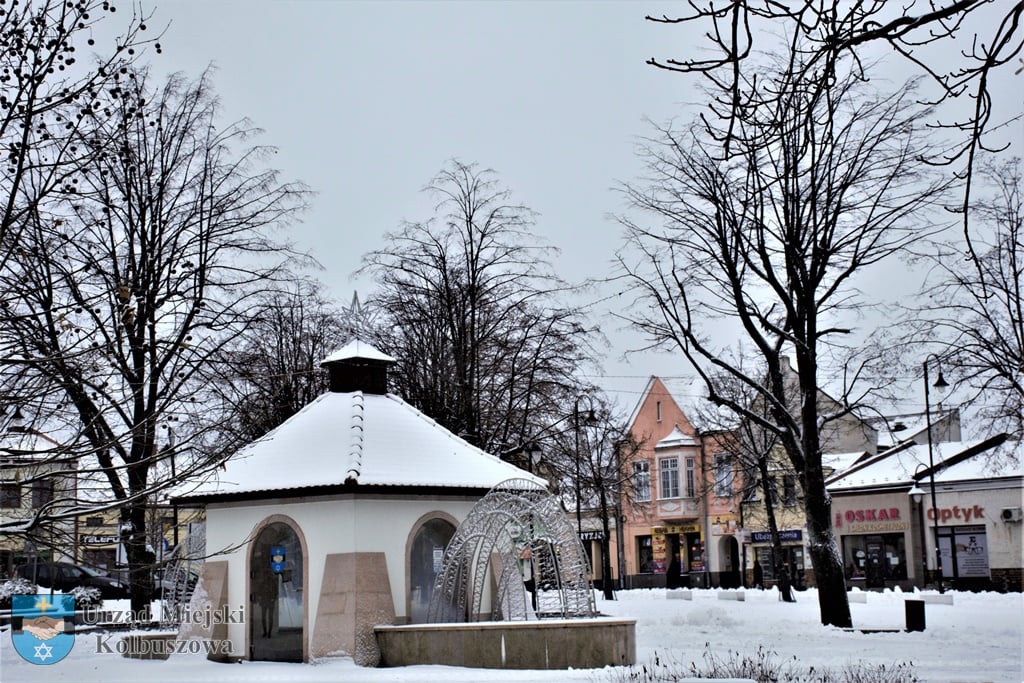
(543, 644)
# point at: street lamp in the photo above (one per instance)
(940, 383)
(591, 419)
(916, 494)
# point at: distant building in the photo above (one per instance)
(885, 521)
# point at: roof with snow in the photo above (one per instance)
(357, 349)
(677, 438)
(358, 439)
(354, 439)
(908, 463)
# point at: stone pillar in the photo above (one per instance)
(355, 596)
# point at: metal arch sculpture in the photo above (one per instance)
(180, 576)
(519, 534)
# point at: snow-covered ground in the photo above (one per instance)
(980, 637)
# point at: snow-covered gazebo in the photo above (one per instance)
(338, 519)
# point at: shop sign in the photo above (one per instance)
(958, 513)
(867, 515)
(98, 539)
(592, 536)
(786, 536)
(724, 524)
(658, 553)
(691, 528)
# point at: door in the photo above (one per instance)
(276, 588)
(425, 558)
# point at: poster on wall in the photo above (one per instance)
(971, 548)
(659, 553)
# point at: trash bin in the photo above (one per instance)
(915, 614)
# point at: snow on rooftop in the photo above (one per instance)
(357, 349)
(677, 438)
(899, 465)
(366, 439)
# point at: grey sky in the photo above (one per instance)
(366, 101)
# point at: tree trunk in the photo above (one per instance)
(825, 557)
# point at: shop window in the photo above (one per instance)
(691, 479)
(644, 555)
(875, 558)
(10, 494)
(42, 493)
(964, 552)
(642, 480)
(669, 477)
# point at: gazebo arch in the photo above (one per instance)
(519, 534)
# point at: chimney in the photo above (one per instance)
(358, 366)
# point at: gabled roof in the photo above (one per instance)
(357, 440)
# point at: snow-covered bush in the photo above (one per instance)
(86, 597)
(14, 587)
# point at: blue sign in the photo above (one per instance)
(277, 558)
(786, 535)
(43, 627)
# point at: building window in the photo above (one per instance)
(657, 406)
(789, 490)
(691, 480)
(10, 494)
(876, 558)
(644, 555)
(670, 477)
(723, 476)
(42, 492)
(642, 480)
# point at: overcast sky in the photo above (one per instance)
(366, 101)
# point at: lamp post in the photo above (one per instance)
(940, 383)
(576, 428)
(917, 496)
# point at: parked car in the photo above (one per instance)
(64, 576)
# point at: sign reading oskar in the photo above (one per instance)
(867, 520)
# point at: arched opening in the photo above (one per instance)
(426, 552)
(729, 562)
(276, 589)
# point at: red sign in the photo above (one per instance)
(867, 515)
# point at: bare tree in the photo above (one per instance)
(754, 453)
(124, 296)
(973, 301)
(818, 187)
(470, 306)
(825, 34)
(48, 93)
(273, 369)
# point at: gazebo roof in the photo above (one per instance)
(355, 439)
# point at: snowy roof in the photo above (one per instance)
(357, 349)
(839, 462)
(677, 438)
(902, 465)
(358, 438)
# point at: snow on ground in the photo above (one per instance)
(978, 638)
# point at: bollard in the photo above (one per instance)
(915, 615)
